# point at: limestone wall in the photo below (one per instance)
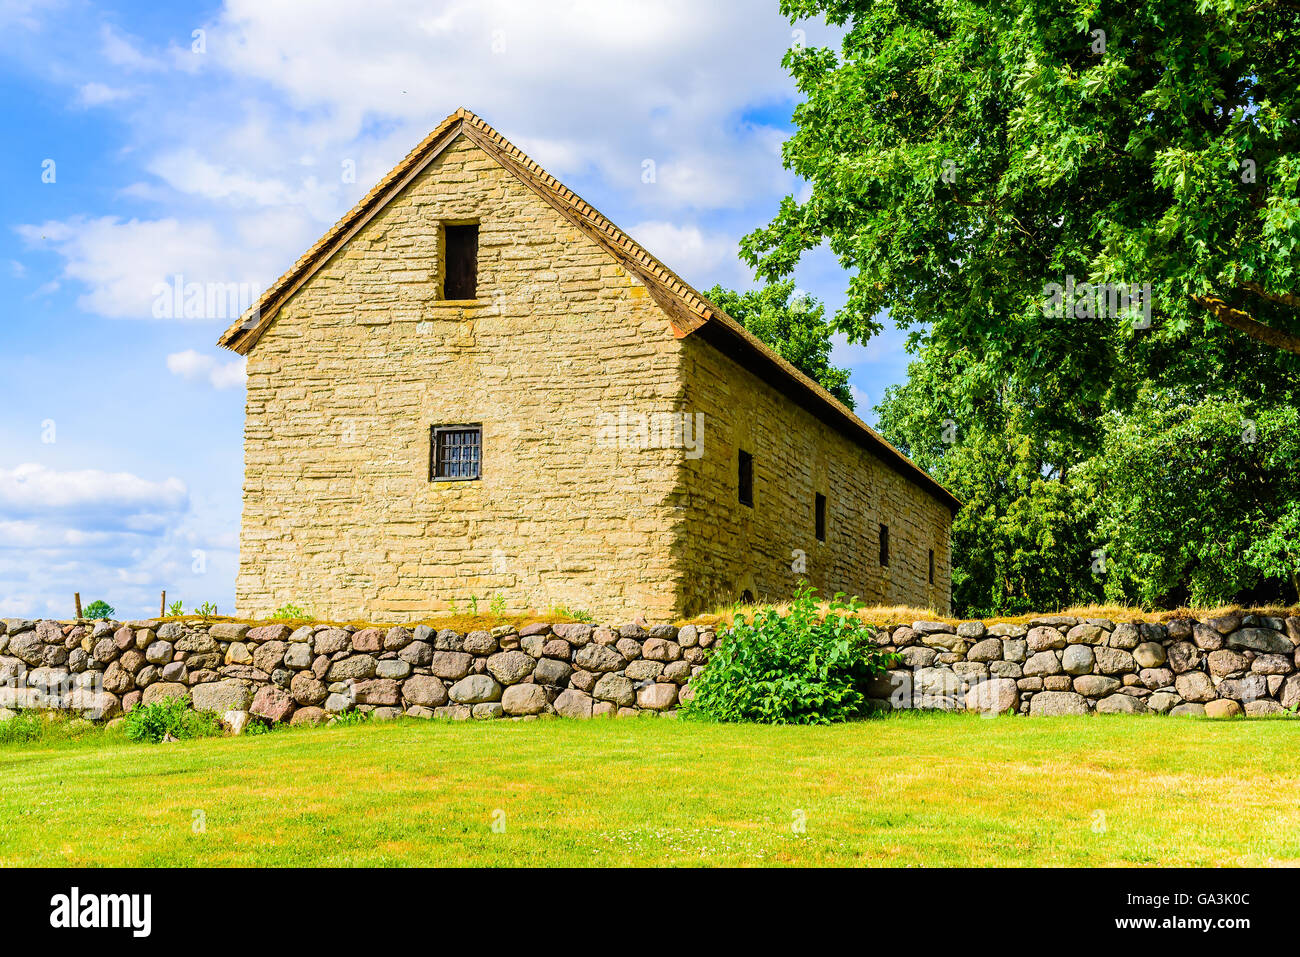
(362, 360)
(1048, 666)
(767, 548)
(339, 512)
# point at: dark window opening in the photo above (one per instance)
(747, 597)
(460, 279)
(456, 452)
(884, 546)
(820, 516)
(746, 478)
(932, 566)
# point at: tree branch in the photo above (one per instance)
(1277, 298)
(1248, 325)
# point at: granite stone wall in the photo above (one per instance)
(305, 675)
(1237, 664)
(1064, 665)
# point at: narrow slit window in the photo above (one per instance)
(819, 517)
(932, 566)
(884, 546)
(745, 469)
(457, 452)
(460, 279)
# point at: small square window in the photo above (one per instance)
(455, 452)
(884, 546)
(819, 510)
(745, 469)
(932, 566)
(460, 251)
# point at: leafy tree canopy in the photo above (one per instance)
(962, 156)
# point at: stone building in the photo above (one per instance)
(474, 388)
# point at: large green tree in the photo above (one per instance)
(1197, 499)
(972, 164)
(962, 156)
(792, 323)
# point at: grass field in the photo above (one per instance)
(903, 791)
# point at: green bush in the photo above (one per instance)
(98, 610)
(795, 668)
(170, 717)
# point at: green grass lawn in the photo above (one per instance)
(911, 790)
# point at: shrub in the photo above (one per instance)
(98, 610)
(170, 717)
(291, 612)
(795, 668)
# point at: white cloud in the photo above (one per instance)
(194, 366)
(189, 172)
(124, 265)
(262, 123)
(584, 84)
(20, 13)
(701, 258)
(97, 94)
(122, 51)
(32, 488)
(110, 535)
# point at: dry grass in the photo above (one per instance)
(724, 615)
(460, 623)
(906, 614)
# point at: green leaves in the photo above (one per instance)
(1200, 498)
(1171, 157)
(98, 610)
(801, 667)
(1123, 166)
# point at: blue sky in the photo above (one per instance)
(145, 141)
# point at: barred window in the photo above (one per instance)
(456, 452)
(884, 546)
(932, 566)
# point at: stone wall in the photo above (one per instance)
(1063, 665)
(1048, 666)
(306, 674)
